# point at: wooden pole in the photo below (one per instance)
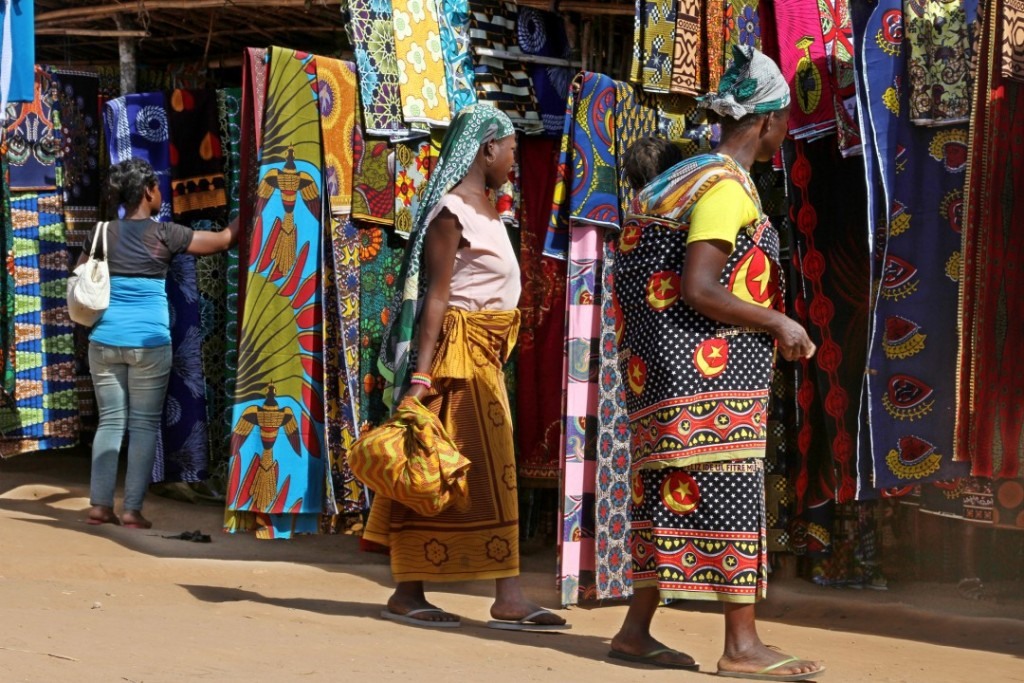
(76, 13)
(90, 33)
(95, 12)
(126, 57)
(585, 8)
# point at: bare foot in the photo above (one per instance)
(642, 647)
(101, 514)
(770, 662)
(401, 605)
(516, 610)
(133, 519)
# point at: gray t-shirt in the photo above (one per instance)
(142, 248)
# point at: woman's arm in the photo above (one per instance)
(706, 295)
(205, 242)
(442, 243)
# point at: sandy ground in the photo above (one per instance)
(82, 603)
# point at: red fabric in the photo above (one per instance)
(990, 419)
(542, 335)
(254, 93)
(828, 212)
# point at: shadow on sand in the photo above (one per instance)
(51, 489)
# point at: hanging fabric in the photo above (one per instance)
(453, 17)
(499, 75)
(277, 473)
(688, 50)
(742, 23)
(591, 178)
(200, 201)
(45, 412)
(422, 80)
(939, 51)
(414, 161)
(837, 33)
(229, 106)
(831, 259)
(1012, 62)
(713, 41)
(136, 126)
(912, 377)
(17, 53)
(802, 60)
(39, 364)
(196, 156)
(80, 135)
(634, 118)
(373, 39)
(653, 44)
(603, 119)
(543, 33)
(990, 423)
(542, 335)
(340, 289)
(8, 286)
(32, 140)
(254, 96)
(373, 188)
(380, 259)
(182, 450)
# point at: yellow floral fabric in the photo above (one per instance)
(421, 71)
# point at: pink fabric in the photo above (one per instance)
(486, 274)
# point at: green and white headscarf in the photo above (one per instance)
(472, 127)
(752, 84)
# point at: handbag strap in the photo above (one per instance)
(101, 229)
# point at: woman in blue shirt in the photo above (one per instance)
(130, 345)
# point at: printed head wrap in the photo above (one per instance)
(752, 84)
(472, 127)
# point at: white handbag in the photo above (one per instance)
(89, 285)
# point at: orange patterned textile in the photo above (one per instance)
(411, 458)
(469, 398)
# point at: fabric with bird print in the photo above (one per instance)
(276, 479)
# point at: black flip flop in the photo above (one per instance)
(651, 659)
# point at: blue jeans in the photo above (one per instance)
(130, 385)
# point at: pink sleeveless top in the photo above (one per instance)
(486, 273)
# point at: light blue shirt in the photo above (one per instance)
(138, 316)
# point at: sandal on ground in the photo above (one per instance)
(527, 623)
(409, 618)
(766, 674)
(651, 658)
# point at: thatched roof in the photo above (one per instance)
(183, 31)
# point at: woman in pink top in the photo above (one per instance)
(456, 324)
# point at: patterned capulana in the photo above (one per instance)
(753, 84)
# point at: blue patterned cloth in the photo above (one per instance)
(136, 126)
(458, 62)
(45, 414)
(915, 232)
(17, 51)
(543, 33)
